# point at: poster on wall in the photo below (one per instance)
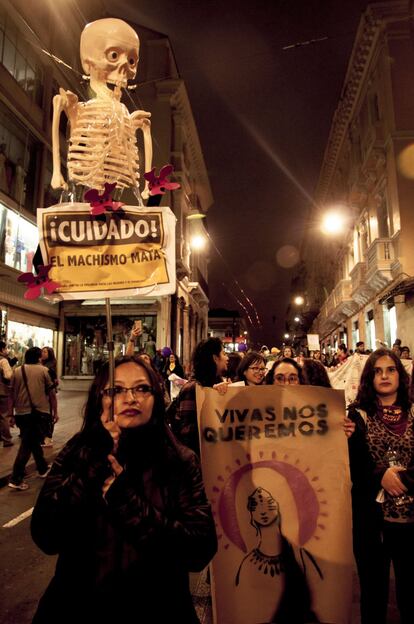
(125, 252)
(313, 342)
(275, 468)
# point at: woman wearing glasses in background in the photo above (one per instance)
(252, 369)
(124, 507)
(285, 371)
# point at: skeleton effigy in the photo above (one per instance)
(102, 140)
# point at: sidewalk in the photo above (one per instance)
(70, 405)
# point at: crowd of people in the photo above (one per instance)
(124, 504)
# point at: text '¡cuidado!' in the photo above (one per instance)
(257, 423)
(114, 229)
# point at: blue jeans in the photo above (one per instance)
(31, 430)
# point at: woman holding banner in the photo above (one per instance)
(382, 469)
(124, 507)
(285, 371)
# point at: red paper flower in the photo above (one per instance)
(35, 283)
(100, 203)
(158, 185)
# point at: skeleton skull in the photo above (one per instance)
(109, 51)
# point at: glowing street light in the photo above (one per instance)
(298, 300)
(297, 319)
(333, 222)
(286, 336)
(198, 242)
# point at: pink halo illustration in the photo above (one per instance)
(307, 504)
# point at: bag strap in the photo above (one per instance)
(27, 387)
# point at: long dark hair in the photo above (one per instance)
(315, 373)
(51, 358)
(93, 406)
(367, 398)
(247, 361)
(204, 366)
(286, 360)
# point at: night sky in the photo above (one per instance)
(263, 115)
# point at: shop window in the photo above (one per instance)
(21, 337)
(18, 240)
(85, 341)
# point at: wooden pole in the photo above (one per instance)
(110, 346)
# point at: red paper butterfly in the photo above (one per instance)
(158, 185)
(100, 203)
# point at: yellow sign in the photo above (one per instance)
(275, 469)
(127, 252)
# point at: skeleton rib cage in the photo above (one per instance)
(103, 145)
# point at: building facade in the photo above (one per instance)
(32, 43)
(360, 284)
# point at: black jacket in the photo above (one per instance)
(125, 558)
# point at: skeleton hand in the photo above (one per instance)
(58, 181)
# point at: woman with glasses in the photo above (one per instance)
(285, 372)
(124, 508)
(252, 369)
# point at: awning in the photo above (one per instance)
(403, 287)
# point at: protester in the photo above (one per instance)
(33, 398)
(252, 369)
(381, 449)
(125, 510)
(396, 347)
(342, 353)
(287, 352)
(360, 347)
(210, 363)
(173, 366)
(405, 353)
(48, 359)
(285, 371)
(235, 358)
(316, 355)
(315, 373)
(5, 377)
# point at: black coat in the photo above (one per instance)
(125, 558)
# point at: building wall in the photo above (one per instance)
(363, 172)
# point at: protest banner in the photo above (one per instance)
(275, 468)
(313, 342)
(126, 252)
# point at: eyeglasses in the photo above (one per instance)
(257, 369)
(290, 379)
(138, 392)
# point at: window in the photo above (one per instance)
(355, 333)
(19, 59)
(371, 330)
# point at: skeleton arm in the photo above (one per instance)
(65, 101)
(141, 120)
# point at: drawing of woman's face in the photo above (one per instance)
(263, 508)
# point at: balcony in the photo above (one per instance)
(199, 289)
(380, 260)
(361, 292)
(344, 304)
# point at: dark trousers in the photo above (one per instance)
(31, 432)
(376, 544)
(5, 434)
(399, 547)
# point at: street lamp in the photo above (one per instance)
(198, 242)
(297, 319)
(298, 300)
(334, 222)
(286, 336)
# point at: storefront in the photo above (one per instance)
(85, 339)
